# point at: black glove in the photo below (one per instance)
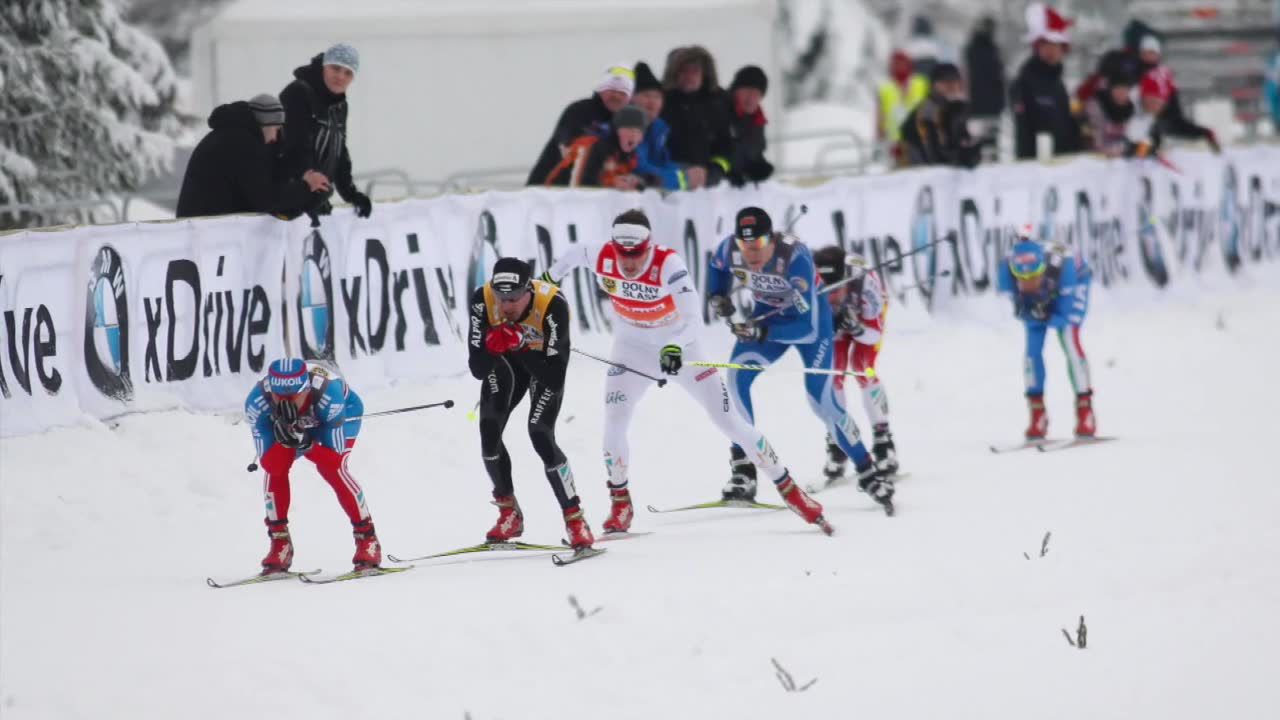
(750, 331)
(720, 305)
(671, 359)
(285, 425)
(362, 204)
(847, 321)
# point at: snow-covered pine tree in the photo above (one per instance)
(87, 107)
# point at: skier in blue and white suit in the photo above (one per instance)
(779, 271)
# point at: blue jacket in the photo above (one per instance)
(787, 281)
(325, 416)
(654, 157)
(1063, 298)
(1272, 88)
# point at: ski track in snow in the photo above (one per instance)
(1165, 541)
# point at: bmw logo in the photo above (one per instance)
(106, 327)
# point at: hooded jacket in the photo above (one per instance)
(316, 123)
(1041, 105)
(582, 117)
(231, 171)
(699, 120)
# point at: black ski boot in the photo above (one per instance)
(742, 484)
(886, 455)
(873, 481)
(836, 459)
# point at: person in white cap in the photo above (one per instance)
(589, 115)
(315, 106)
(1038, 95)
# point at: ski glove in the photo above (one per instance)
(847, 320)
(285, 425)
(721, 305)
(503, 338)
(671, 359)
(749, 331)
(362, 204)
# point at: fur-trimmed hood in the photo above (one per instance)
(680, 57)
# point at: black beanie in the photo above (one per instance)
(630, 116)
(645, 79)
(942, 72)
(750, 76)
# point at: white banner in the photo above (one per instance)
(105, 320)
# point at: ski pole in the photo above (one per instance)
(620, 366)
(760, 368)
(253, 466)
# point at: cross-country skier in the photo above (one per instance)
(1050, 289)
(859, 308)
(659, 315)
(297, 411)
(519, 343)
(778, 270)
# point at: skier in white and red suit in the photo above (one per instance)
(659, 313)
(859, 308)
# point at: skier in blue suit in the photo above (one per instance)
(1050, 289)
(779, 271)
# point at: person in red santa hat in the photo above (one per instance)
(1154, 120)
(1038, 96)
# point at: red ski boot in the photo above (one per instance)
(622, 512)
(1039, 426)
(280, 556)
(1086, 424)
(579, 534)
(803, 505)
(368, 550)
(510, 523)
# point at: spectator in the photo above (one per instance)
(746, 127)
(898, 96)
(1121, 62)
(1038, 96)
(315, 108)
(1107, 116)
(985, 70)
(1161, 118)
(585, 116)
(1174, 120)
(231, 169)
(653, 157)
(696, 109)
(607, 161)
(936, 132)
(1271, 91)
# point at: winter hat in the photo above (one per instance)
(752, 223)
(829, 263)
(267, 109)
(1044, 23)
(750, 76)
(1157, 83)
(630, 117)
(618, 77)
(1027, 259)
(645, 79)
(943, 72)
(287, 376)
(511, 277)
(631, 232)
(1149, 42)
(343, 55)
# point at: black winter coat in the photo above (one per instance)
(231, 171)
(699, 129)
(581, 117)
(1041, 105)
(986, 76)
(747, 145)
(315, 130)
(937, 133)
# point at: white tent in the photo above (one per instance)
(447, 86)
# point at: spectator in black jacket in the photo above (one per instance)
(582, 117)
(697, 110)
(1108, 113)
(746, 127)
(985, 69)
(1038, 96)
(315, 108)
(936, 132)
(231, 170)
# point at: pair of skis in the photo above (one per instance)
(559, 559)
(1045, 445)
(742, 505)
(311, 577)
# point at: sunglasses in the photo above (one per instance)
(758, 242)
(1031, 274)
(510, 295)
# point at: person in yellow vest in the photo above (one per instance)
(898, 96)
(519, 343)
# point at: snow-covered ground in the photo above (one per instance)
(1165, 541)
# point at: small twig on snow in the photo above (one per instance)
(577, 608)
(788, 682)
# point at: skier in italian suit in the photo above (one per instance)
(659, 315)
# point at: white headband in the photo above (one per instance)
(629, 235)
